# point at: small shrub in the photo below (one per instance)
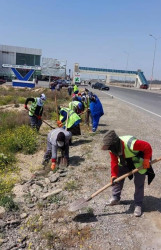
(71, 185)
(26, 139)
(7, 182)
(21, 139)
(35, 223)
(51, 237)
(21, 99)
(90, 210)
(3, 160)
(55, 199)
(5, 100)
(8, 203)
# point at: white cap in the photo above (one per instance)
(43, 97)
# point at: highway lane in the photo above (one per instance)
(144, 100)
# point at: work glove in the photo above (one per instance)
(112, 180)
(146, 164)
(53, 165)
(39, 117)
(60, 124)
(25, 106)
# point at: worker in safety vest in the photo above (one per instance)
(57, 139)
(36, 110)
(76, 106)
(76, 90)
(128, 153)
(69, 120)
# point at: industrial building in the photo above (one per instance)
(13, 55)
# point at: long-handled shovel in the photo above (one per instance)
(63, 160)
(80, 203)
(56, 105)
(43, 120)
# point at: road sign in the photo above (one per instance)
(77, 79)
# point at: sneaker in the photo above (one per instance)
(137, 211)
(112, 202)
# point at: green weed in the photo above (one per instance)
(55, 199)
(90, 210)
(35, 223)
(8, 203)
(71, 185)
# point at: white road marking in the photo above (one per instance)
(133, 105)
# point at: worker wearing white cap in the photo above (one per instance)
(36, 110)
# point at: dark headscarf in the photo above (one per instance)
(113, 142)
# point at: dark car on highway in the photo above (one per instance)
(100, 86)
(62, 83)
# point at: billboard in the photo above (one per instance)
(53, 67)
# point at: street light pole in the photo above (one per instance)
(155, 45)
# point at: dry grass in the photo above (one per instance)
(76, 237)
(9, 120)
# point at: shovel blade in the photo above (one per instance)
(78, 204)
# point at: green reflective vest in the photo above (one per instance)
(130, 153)
(33, 107)
(76, 88)
(71, 116)
(73, 105)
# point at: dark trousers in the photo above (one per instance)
(75, 130)
(139, 180)
(35, 122)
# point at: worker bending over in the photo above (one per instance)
(69, 120)
(57, 138)
(76, 106)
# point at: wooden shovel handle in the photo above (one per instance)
(120, 178)
(56, 105)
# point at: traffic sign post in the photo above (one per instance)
(77, 78)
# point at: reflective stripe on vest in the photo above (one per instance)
(129, 142)
(72, 117)
(73, 104)
(33, 107)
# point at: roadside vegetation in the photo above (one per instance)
(17, 136)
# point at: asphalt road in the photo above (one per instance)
(144, 100)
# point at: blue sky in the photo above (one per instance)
(104, 33)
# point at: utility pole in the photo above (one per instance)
(155, 45)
